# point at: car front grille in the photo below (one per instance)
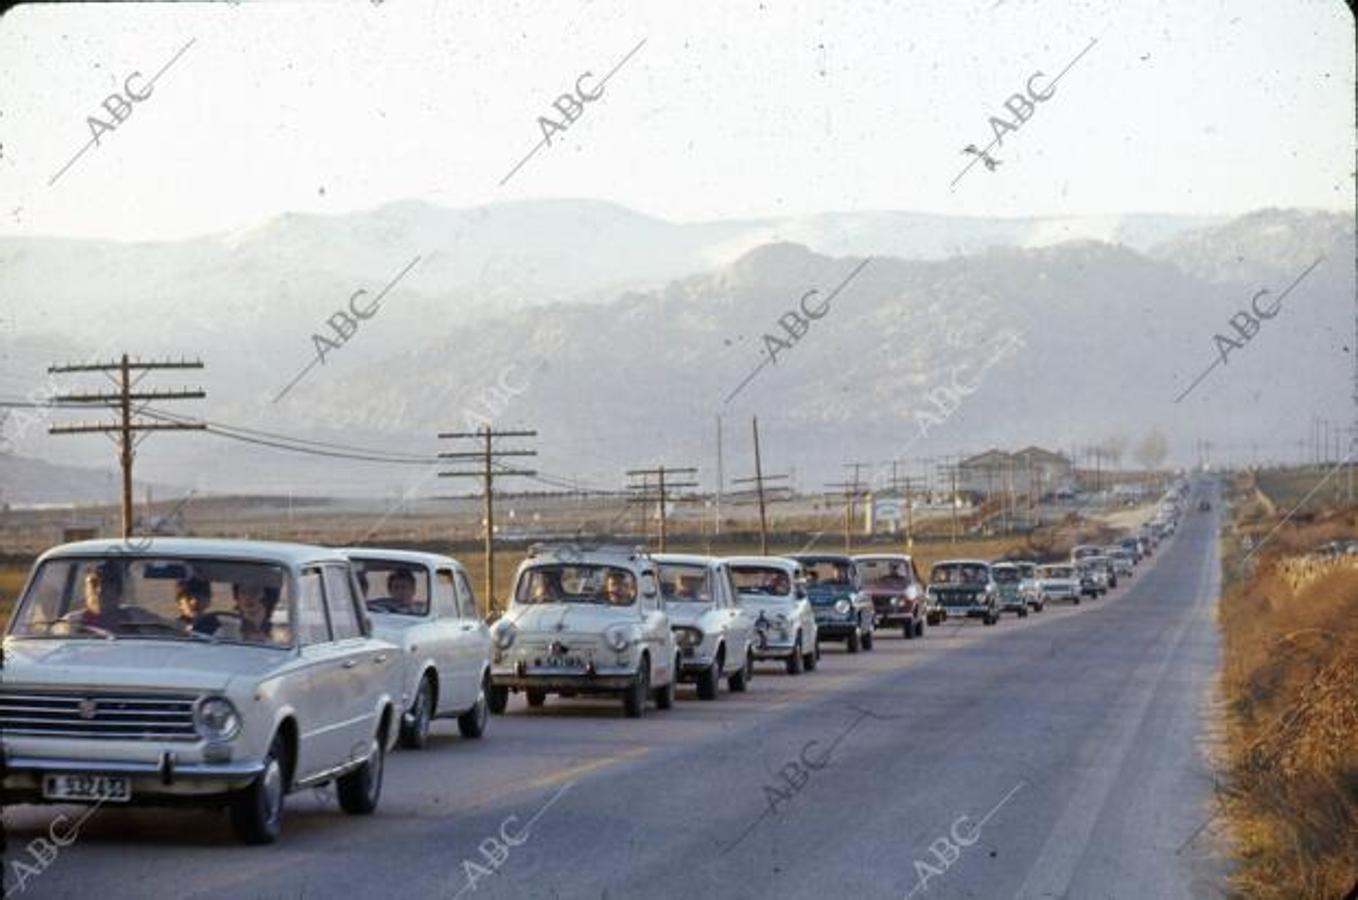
(121, 716)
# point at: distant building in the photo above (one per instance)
(1030, 470)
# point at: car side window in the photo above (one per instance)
(313, 626)
(466, 599)
(445, 595)
(340, 604)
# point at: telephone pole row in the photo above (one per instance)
(128, 425)
(643, 494)
(489, 456)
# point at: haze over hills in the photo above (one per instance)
(629, 333)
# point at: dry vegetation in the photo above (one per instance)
(1291, 682)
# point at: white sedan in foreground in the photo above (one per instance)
(220, 673)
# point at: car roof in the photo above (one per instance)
(218, 548)
(862, 556)
(820, 557)
(957, 562)
(776, 562)
(415, 557)
(693, 559)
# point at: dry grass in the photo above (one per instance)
(1291, 682)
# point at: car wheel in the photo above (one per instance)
(739, 680)
(795, 662)
(1077, 601)
(854, 642)
(536, 698)
(634, 699)
(499, 699)
(257, 811)
(709, 681)
(919, 628)
(991, 618)
(867, 639)
(472, 723)
(1023, 613)
(812, 659)
(664, 697)
(415, 735)
(360, 790)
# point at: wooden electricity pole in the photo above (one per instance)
(122, 401)
(489, 471)
(851, 491)
(662, 493)
(760, 482)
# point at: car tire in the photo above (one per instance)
(415, 736)
(1023, 613)
(908, 630)
(739, 680)
(991, 619)
(867, 639)
(498, 699)
(360, 789)
(664, 696)
(796, 662)
(634, 698)
(854, 642)
(257, 811)
(472, 723)
(709, 682)
(919, 628)
(812, 659)
(536, 698)
(1077, 601)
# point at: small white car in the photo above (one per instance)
(713, 633)
(585, 621)
(423, 603)
(1059, 582)
(772, 592)
(214, 672)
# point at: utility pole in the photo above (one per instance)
(721, 477)
(851, 490)
(662, 494)
(122, 401)
(951, 469)
(760, 481)
(904, 486)
(491, 468)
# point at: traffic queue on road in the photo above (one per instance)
(230, 673)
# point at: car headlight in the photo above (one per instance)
(781, 621)
(504, 634)
(618, 638)
(688, 637)
(842, 607)
(216, 719)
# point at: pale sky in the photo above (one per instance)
(728, 110)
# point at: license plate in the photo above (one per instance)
(564, 662)
(115, 788)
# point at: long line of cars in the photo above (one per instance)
(230, 673)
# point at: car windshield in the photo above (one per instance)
(391, 586)
(958, 573)
(1006, 575)
(761, 581)
(826, 572)
(1056, 571)
(1028, 570)
(180, 598)
(685, 583)
(885, 573)
(566, 583)
(1084, 552)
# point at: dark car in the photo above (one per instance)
(897, 592)
(965, 588)
(843, 609)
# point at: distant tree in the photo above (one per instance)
(1152, 450)
(1113, 449)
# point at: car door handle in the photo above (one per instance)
(350, 663)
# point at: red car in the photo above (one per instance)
(897, 591)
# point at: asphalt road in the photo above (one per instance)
(1055, 756)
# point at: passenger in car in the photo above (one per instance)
(254, 613)
(401, 587)
(616, 589)
(103, 598)
(194, 595)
